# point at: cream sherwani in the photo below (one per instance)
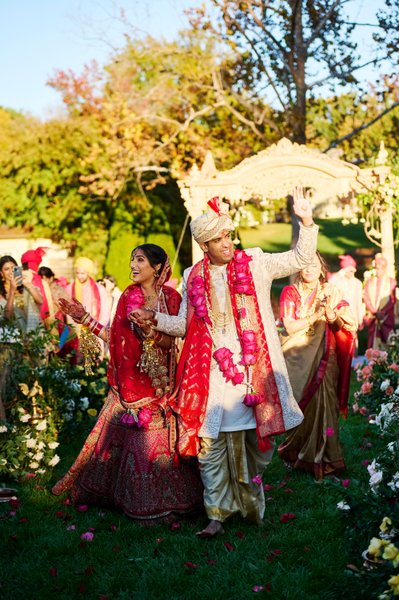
(264, 267)
(229, 446)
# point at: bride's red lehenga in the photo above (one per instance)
(121, 465)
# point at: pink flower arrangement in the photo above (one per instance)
(373, 354)
(367, 386)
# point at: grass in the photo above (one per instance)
(303, 558)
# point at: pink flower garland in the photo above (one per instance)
(242, 285)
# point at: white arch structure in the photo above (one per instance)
(272, 174)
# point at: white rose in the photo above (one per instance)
(25, 417)
(84, 403)
(41, 445)
(53, 445)
(34, 465)
(343, 506)
(31, 443)
(375, 479)
(38, 456)
(54, 461)
(41, 471)
(3, 428)
(42, 425)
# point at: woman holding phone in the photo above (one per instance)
(15, 290)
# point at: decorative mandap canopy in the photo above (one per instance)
(272, 174)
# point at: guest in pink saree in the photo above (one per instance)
(317, 342)
(128, 460)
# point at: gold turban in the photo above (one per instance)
(86, 264)
(216, 219)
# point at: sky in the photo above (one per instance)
(38, 37)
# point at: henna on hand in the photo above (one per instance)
(74, 309)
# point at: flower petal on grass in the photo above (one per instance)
(87, 536)
(287, 517)
(229, 547)
(190, 565)
(240, 534)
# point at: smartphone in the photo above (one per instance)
(17, 272)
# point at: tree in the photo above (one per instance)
(288, 50)
(153, 112)
(333, 120)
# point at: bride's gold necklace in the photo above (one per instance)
(150, 300)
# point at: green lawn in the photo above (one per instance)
(334, 239)
(43, 556)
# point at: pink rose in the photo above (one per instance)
(127, 419)
(252, 399)
(257, 479)
(366, 387)
(248, 359)
(145, 417)
(238, 378)
(222, 353)
(242, 258)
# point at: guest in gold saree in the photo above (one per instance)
(317, 342)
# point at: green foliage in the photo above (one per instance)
(122, 242)
(166, 242)
(44, 394)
